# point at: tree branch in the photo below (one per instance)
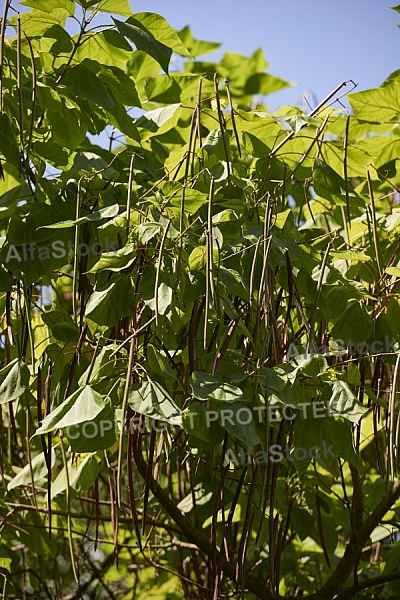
(354, 548)
(252, 582)
(374, 582)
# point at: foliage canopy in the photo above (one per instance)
(200, 323)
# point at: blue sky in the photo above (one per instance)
(315, 43)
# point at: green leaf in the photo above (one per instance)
(197, 422)
(194, 199)
(201, 497)
(108, 47)
(54, 154)
(263, 83)
(349, 255)
(6, 281)
(160, 120)
(165, 295)
(326, 182)
(107, 305)
(62, 40)
(152, 34)
(339, 433)
(160, 29)
(332, 435)
(116, 7)
(121, 86)
(116, 261)
(206, 387)
(5, 558)
(105, 366)
(213, 144)
(146, 42)
(104, 213)
(9, 146)
(87, 85)
(158, 363)
(377, 105)
(388, 152)
(14, 380)
(196, 47)
(61, 325)
(87, 3)
(48, 98)
(275, 378)
(38, 468)
(197, 258)
(49, 5)
(239, 421)
(83, 405)
(95, 434)
(354, 326)
(146, 231)
(311, 366)
(35, 23)
(81, 477)
(238, 69)
(174, 88)
(152, 400)
(344, 403)
(357, 156)
(68, 131)
(123, 121)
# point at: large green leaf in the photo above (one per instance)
(153, 401)
(14, 380)
(83, 405)
(36, 22)
(344, 403)
(264, 83)
(49, 5)
(334, 439)
(152, 34)
(354, 326)
(116, 261)
(196, 47)
(108, 47)
(377, 105)
(86, 84)
(61, 325)
(116, 7)
(206, 387)
(214, 143)
(110, 302)
(80, 476)
(146, 42)
(159, 27)
(95, 434)
(160, 120)
(37, 468)
(104, 213)
(326, 182)
(9, 145)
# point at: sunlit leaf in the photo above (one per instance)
(14, 380)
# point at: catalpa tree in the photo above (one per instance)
(200, 320)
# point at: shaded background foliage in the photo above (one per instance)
(231, 249)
